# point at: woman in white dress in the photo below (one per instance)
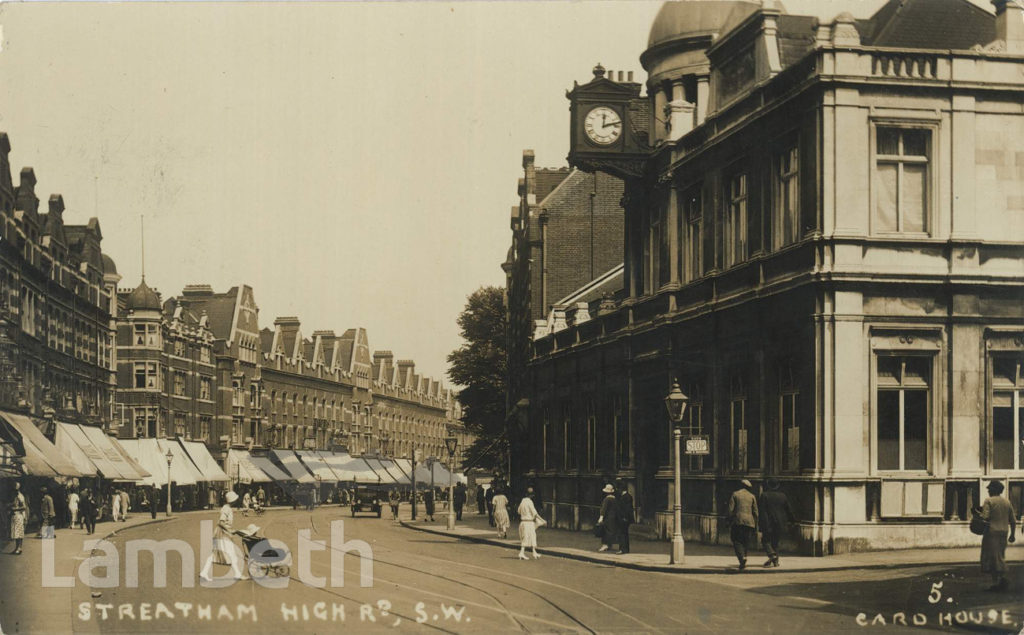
(501, 519)
(529, 520)
(19, 511)
(224, 549)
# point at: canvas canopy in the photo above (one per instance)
(351, 469)
(242, 469)
(395, 472)
(183, 470)
(147, 453)
(381, 471)
(40, 457)
(204, 461)
(265, 465)
(122, 469)
(317, 465)
(290, 463)
(72, 451)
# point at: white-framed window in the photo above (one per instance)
(902, 179)
(180, 424)
(735, 230)
(691, 219)
(1007, 429)
(206, 388)
(179, 347)
(147, 335)
(204, 427)
(204, 354)
(146, 375)
(145, 422)
(903, 412)
(787, 197)
(179, 383)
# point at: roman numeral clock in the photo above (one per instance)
(609, 126)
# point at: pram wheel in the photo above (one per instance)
(282, 570)
(258, 569)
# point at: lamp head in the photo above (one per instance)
(675, 402)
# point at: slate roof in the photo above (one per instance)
(219, 307)
(267, 340)
(928, 24)
(548, 179)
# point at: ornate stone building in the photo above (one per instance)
(57, 295)
(823, 245)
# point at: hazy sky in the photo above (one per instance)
(354, 162)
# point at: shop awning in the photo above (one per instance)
(183, 470)
(395, 472)
(405, 465)
(146, 453)
(241, 468)
(351, 469)
(132, 462)
(204, 461)
(123, 470)
(73, 452)
(267, 467)
(385, 477)
(41, 458)
(291, 464)
(316, 464)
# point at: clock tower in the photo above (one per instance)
(609, 125)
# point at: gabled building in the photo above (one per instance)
(57, 291)
(824, 223)
(166, 369)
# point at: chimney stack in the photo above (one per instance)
(1010, 24)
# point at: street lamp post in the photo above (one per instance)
(451, 443)
(675, 402)
(170, 457)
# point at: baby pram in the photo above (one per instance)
(266, 557)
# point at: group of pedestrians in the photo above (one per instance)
(617, 514)
(771, 513)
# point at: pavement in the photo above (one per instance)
(425, 581)
(649, 555)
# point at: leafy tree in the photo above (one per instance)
(480, 367)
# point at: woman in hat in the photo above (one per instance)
(999, 514)
(609, 519)
(224, 549)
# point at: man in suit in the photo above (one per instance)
(776, 516)
(627, 515)
(743, 520)
(459, 500)
(489, 496)
(481, 504)
(47, 515)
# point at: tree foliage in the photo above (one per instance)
(479, 366)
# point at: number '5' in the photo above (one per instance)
(935, 595)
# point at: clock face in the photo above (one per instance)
(603, 125)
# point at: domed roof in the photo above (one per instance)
(686, 18)
(108, 264)
(143, 298)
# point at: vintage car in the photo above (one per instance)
(367, 499)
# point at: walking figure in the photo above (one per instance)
(776, 517)
(743, 517)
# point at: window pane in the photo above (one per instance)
(885, 199)
(787, 410)
(916, 371)
(888, 430)
(915, 143)
(754, 445)
(915, 429)
(888, 141)
(1004, 371)
(889, 370)
(1002, 433)
(915, 197)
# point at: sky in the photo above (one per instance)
(355, 163)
